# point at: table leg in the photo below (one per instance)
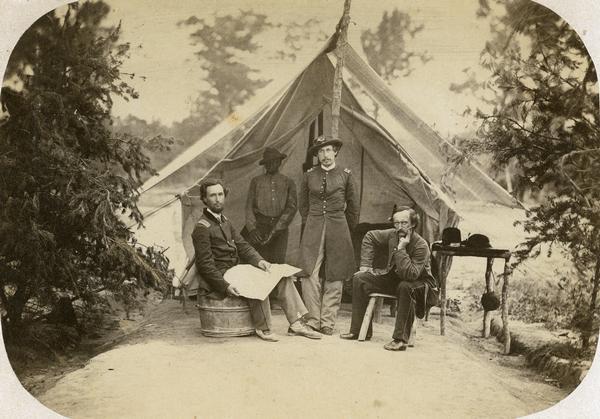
(443, 261)
(505, 329)
(443, 305)
(489, 287)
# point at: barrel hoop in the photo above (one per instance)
(223, 334)
(234, 309)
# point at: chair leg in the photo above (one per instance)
(377, 311)
(185, 297)
(364, 327)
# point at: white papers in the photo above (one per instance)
(255, 283)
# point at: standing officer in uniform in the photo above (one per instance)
(270, 208)
(329, 207)
(219, 247)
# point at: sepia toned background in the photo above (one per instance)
(452, 37)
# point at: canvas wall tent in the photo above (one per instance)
(384, 170)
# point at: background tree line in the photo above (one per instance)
(223, 43)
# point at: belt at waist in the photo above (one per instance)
(264, 219)
(326, 211)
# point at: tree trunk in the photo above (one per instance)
(585, 337)
(15, 306)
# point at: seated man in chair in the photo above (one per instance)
(408, 275)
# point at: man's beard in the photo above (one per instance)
(212, 207)
(217, 210)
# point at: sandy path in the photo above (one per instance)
(167, 369)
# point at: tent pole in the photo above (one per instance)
(342, 31)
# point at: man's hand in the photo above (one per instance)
(269, 237)
(403, 242)
(264, 265)
(231, 290)
(254, 237)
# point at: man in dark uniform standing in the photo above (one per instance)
(270, 208)
(218, 247)
(329, 207)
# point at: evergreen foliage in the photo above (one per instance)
(67, 184)
(544, 120)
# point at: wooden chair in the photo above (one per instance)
(373, 309)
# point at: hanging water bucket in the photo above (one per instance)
(224, 318)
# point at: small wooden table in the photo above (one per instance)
(490, 254)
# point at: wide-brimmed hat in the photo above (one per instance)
(322, 141)
(271, 154)
(478, 241)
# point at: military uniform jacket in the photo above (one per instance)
(272, 196)
(218, 247)
(328, 200)
(409, 264)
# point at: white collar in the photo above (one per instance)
(329, 168)
(217, 216)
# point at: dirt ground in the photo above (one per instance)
(164, 367)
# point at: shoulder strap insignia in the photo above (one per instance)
(204, 223)
(310, 170)
(347, 170)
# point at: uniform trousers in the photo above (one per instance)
(322, 297)
(286, 296)
(408, 293)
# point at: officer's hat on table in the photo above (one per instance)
(271, 154)
(477, 241)
(451, 236)
(322, 141)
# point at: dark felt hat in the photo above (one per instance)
(478, 241)
(322, 141)
(451, 235)
(271, 154)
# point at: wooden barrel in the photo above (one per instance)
(224, 318)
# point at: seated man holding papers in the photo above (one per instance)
(219, 247)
